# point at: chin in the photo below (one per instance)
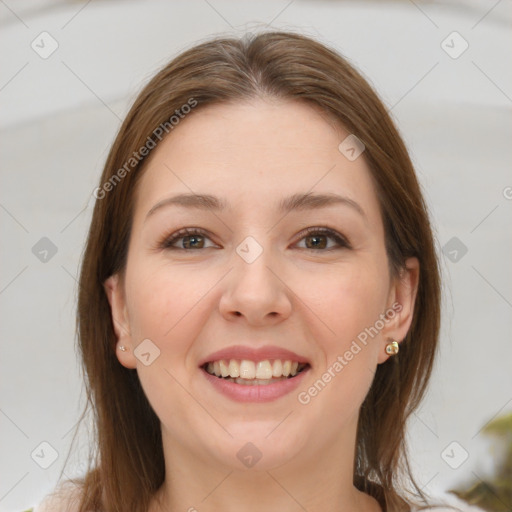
(261, 445)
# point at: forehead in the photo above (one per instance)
(252, 153)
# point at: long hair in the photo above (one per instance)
(127, 466)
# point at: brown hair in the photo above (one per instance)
(129, 462)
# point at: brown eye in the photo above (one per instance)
(192, 239)
(317, 238)
(317, 241)
(193, 242)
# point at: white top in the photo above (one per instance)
(65, 500)
(68, 500)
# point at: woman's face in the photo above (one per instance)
(251, 277)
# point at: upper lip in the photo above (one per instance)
(253, 354)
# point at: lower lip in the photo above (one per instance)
(256, 393)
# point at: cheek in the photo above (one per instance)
(161, 298)
(350, 304)
(347, 300)
(165, 307)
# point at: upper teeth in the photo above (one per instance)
(247, 369)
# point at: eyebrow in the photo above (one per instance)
(307, 201)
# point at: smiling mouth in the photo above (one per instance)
(251, 373)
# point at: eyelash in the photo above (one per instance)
(167, 242)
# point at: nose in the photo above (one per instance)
(255, 289)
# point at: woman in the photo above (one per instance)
(259, 300)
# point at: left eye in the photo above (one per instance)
(194, 238)
(318, 235)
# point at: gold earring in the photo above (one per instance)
(392, 348)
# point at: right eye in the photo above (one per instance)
(192, 237)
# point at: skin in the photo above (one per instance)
(313, 301)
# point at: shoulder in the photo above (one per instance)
(446, 502)
(65, 498)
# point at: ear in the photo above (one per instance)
(114, 288)
(402, 296)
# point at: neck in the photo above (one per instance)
(319, 478)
